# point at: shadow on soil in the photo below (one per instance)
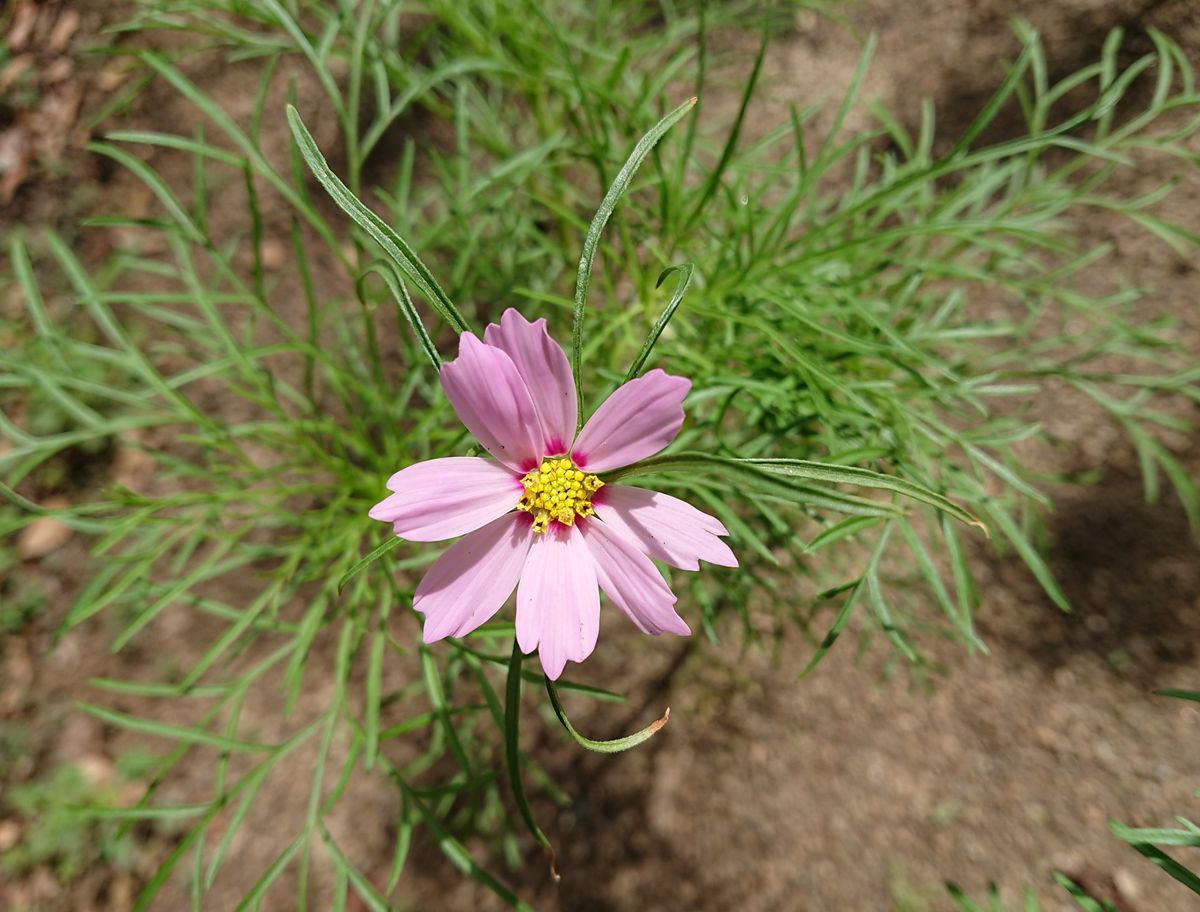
(1074, 37)
(1131, 573)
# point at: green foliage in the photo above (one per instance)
(1029, 903)
(13, 740)
(20, 598)
(1151, 842)
(852, 398)
(58, 829)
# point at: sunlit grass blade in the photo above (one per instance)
(591, 242)
(254, 896)
(390, 544)
(1161, 859)
(1083, 899)
(994, 104)
(374, 676)
(171, 732)
(238, 136)
(1028, 553)
(366, 891)
(397, 249)
(1189, 836)
(842, 529)
(160, 812)
(406, 309)
(856, 589)
(829, 473)
(1193, 695)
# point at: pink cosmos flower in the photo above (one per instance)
(538, 517)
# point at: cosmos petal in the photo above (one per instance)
(558, 602)
(445, 498)
(543, 366)
(474, 577)
(664, 527)
(490, 397)
(632, 582)
(637, 420)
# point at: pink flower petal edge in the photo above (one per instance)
(638, 420)
(558, 602)
(473, 578)
(632, 582)
(445, 498)
(493, 402)
(543, 366)
(664, 527)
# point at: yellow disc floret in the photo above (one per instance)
(559, 491)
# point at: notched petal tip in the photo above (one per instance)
(511, 313)
(675, 379)
(466, 341)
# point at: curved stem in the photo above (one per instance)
(604, 747)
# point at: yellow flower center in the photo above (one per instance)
(557, 490)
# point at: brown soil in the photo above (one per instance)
(856, 788)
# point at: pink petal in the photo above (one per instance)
(558, 604)
(490, 397)
(474, 577)
(664, 527)
(632, 582)
(637, 420)
(445, 498)
(543, 366)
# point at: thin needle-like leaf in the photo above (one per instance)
(685, 271)
(397, 249)
(591, 242)
(614, 746)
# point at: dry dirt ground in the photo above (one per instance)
(855, 789)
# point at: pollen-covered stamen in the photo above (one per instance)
(556, 490)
